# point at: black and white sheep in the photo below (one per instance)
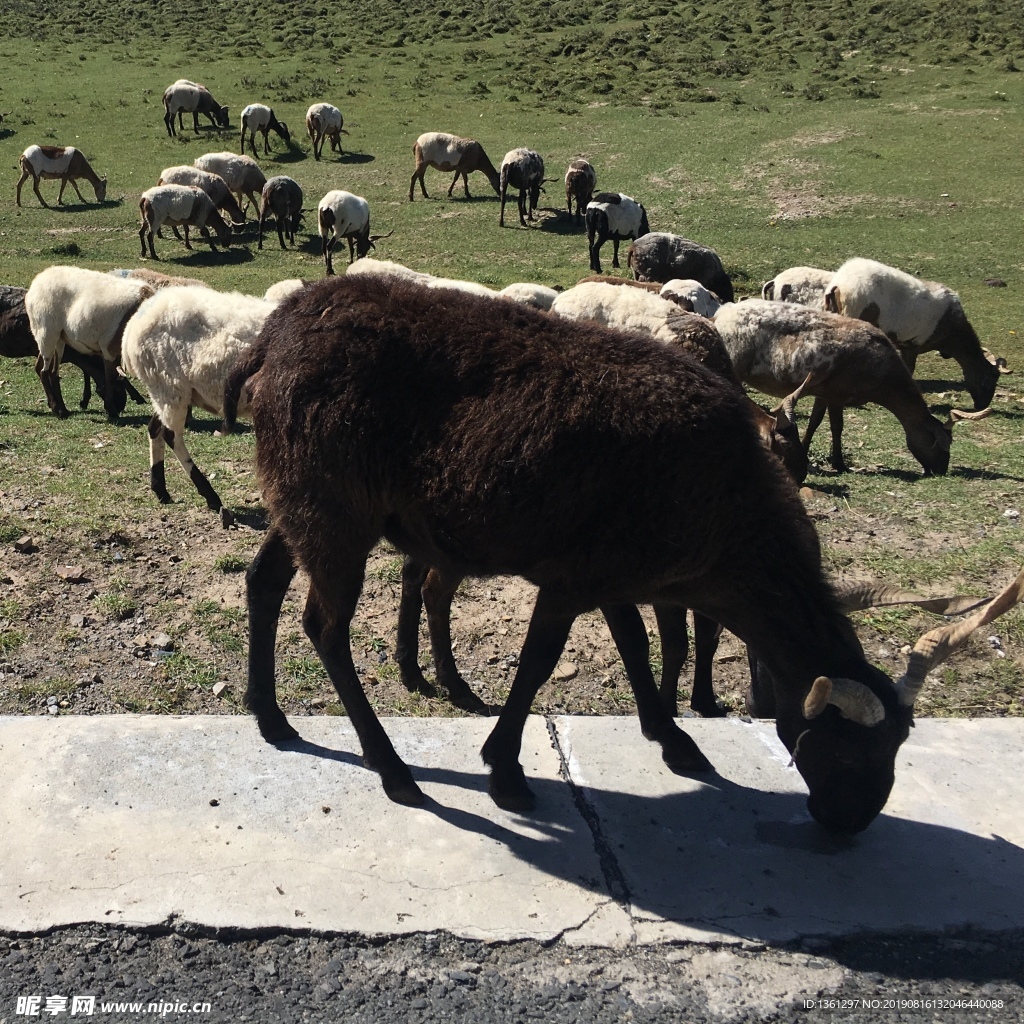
(522, 170)
(243, 175)
(691, 295)
(660, 256)
(212, 184)
(774, 346)
(615, 216)
(281, 199)
(341, 214)
(180, 206)
(571, 455)
(182, 344)
(580, 182)
(447, 152)
(803, 285)
(87, 310)
(63, 162)
(187, 97)
(258, 117)
(917, 316)
(325, 122)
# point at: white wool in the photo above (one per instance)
(183, 174)
(242, 174)
(441, 150)
(45, 166)
(80, 308)
(630, 309)
(623, 218)
(385, 268)
(704, 302)
(909, 308)
(256, 116)
(280, 291)
(328, 117)
(471, 287)
(351, 212)
(182, 95)
(178, 204)
(806, 286)
(537, 295)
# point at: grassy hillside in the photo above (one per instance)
(778, 133)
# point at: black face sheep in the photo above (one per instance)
(186, 97)
(180, 206)
(615, 216)
(447, 152)
(580, 182)
(917, 316)
(606, 469)
(659, 256)
(63, 162)
(340, 214)
(282, 199)
(523, 171)
(88, 311)
(257, 117)
(776, 345)
(325, 122)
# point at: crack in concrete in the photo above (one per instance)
(614, 878)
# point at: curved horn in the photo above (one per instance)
(377, 238)
(855, 597)
(936, 646)
(955, 415)
(854, 700)
(785, 411)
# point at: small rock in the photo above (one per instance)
(163, 642)
(78, 621)
(26, 545)
(995, 282)
(53, 709)
(219, 688)
(1012, 513)
(565, 671)
(71, 573)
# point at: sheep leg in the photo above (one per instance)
(817, 415)
(114, 397)
(418, 173)
(675, 645)
(407, 643)
(39, 195)
(327, 248)
(205, 232)
(21, 181)
(49, 377)
(195, 121)
(437, 593)
(615, 252)
(74, 185)
(678, 750)
(188, 243)
(328, 631)
(174, 431)
(545, 641)
(86, 390)
(521, 202)
(157, 478)
(706, 634)
(835, 421)
(280, 235)
(266, 584)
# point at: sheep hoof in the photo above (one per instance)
(403, 790)
(713, 710)
(275, 728)
(463, 697)
(509, 790)
(227, 517)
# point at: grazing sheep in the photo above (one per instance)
(86, 310)
(64, 162)
(243, 175)
(257, 117)
(282, 197)
(660, 256)
(450, 153)
(522, 169)
(344, 215)
(212, 184)
(182, 344)
(16, 340)
(282, 289)
(691, 295)
(917, 316)
(580, 182)
(186, 97)
(803, 285)
(537, 295)
(616, 216)
(184, 206)
(571, 455)
(325, 122)
(776, 345)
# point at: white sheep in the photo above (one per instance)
(691, 295)
(282, 289)
(188, 97)
(182, 344)
(212, 184)
(341, 214)
(537, 295)
(87, 310)
(180, 206)
(325, 122)
(258, 117)
(63, 162)
(917, 316)
(385, 268)
(242, 174)
(803, 285)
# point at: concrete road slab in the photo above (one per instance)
(140, 820)
(736, 855)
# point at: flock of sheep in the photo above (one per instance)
(845, 338)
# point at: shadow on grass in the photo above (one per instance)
(561, 222)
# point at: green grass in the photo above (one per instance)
(779, 133)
